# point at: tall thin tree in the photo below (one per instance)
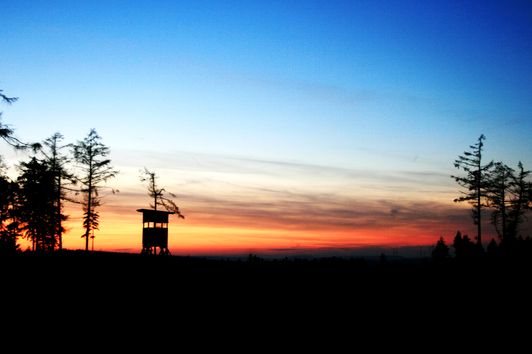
(474, 182)
(57, 162)
(91, 155)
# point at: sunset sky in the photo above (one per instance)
(282, 126)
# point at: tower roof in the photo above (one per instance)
(151, 215)
(155, 211)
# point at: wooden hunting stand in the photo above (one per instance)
(154, 231)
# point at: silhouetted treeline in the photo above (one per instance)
(32, 204)
(505, 192)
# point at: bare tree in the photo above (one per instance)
(91, 154)
(474, 181)
(158, 194)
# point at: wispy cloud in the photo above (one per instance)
(250, 193)
(320, 212)
(218, 163)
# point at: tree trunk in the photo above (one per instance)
(58, 211)
(503, 212)
(479, 209)
(88, 226)
(89, 209)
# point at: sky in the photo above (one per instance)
(281, 126)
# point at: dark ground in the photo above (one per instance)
(106, 292)
(158, 282)
(313, 277)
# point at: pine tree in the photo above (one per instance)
(521, 191)
(57, 162)
(9, 225)
(474, 182)
(36, 204)
(91, 155)
(441, 251)
(500, 180)
(509, 197)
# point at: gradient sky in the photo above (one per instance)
(281, 125)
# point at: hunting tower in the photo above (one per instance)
(154, 231)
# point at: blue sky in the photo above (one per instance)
(383, 86)
(336, 75)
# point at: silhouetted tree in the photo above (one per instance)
(464, 248)
(500, 180)
(36, 204)
(56, 162)
(7, 99)
(474, 182)
(492, 249)
(457, 243)
(9, 225)
(441, 251)
(509, 197)
(521, 190)
(91, 154)
(158, 194)
(8, 134)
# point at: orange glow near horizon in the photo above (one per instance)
(122, 236)
(198, 236)
(233, 213)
